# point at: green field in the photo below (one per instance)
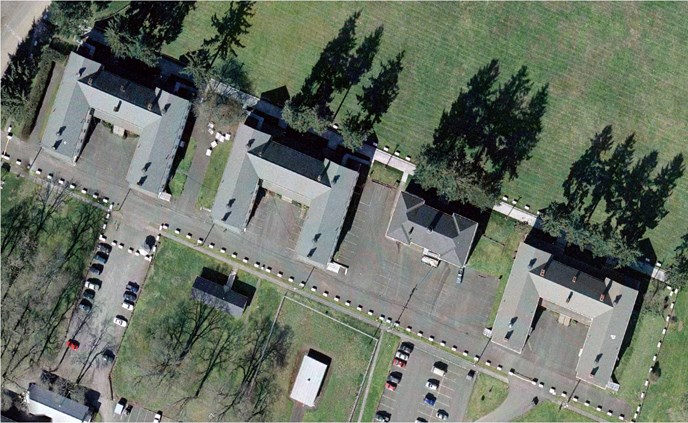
(606, 63)
(350, 352)
(388, 347)
(488, 393)
(667, 400)
(550, 412)
(167, 286)
(495, 251)
(385, 174)
(213, 175)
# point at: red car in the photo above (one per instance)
(399, 363)
(391, 386)
(73, 344)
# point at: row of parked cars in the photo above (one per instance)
(93, 284)
(433, 384)
(400, 360)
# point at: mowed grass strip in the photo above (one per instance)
(488, 393)
(350, 352)
(606, 63)
(168, 283)
(494, 253)
(213, 175)
(385, 174)
(389, 344)
(667, 399)
(546, 411)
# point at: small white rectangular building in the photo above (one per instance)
(308, 381)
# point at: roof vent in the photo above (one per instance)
(602, 296)
(542, 272)
(150, 106)
(573, 279)
(90, 80)
(121, 88)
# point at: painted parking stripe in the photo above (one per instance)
(444, 395)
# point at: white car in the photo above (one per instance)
(90, 285)
(128, 305)
(157, 417)
(121, 321)
(431, 384)
(402, 355)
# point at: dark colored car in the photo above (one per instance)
(430, 400)
(394, 377)
(96, 268)
(406, 347)
(470, 375)
(73, 344)
(133, 287)
(130, 296)
(101, 258)
(382, 416)
(85, 306)
(104, 248)
(108, 356)
(89, 294)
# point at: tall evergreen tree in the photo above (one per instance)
(229, 29)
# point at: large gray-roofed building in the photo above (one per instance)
(415, 223)
(42, 402)
(536, 279)
(323, 186)
(308, 381)
(88, 91)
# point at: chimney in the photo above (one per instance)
(592, 374)
(121, 88)
(90, 80)
(573, 279)
(542, 272)
(602, 296)
(150, 106)
(506, 339)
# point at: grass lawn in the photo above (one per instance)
(385, 174)
(350, 352)
(488, 393)
(547, 411)
(667, 400)
(389, 344)
(606, 63)
(495, 251)
(177, 182)
(168, 285)
(213, 175)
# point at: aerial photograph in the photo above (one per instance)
(344, 211)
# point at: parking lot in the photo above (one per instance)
(406, 403)
(137, 414)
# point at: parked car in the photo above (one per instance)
(470, 375)
(430, 399)
(121, 406)
(442, 415)
(101, 258)
(128, 305)
(120, 321)
(93, 283)
(130, 296)
(402, 355)
(133, 287)
(394, 377)
(96, 269)
(85, 306)
(406, 348)
(73, 344)
(157, 417)
(391, 386)
(420, 420)
(104, 248)
(439, 368)
(399, 363)
(382, 416)
(89, 294)
(432, 384)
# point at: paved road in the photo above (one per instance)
(17, 18)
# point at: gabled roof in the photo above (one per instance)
(156, 116)
(42, 402)
(605, 306)
(221, 297)
(323, 186)
(449, 236)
